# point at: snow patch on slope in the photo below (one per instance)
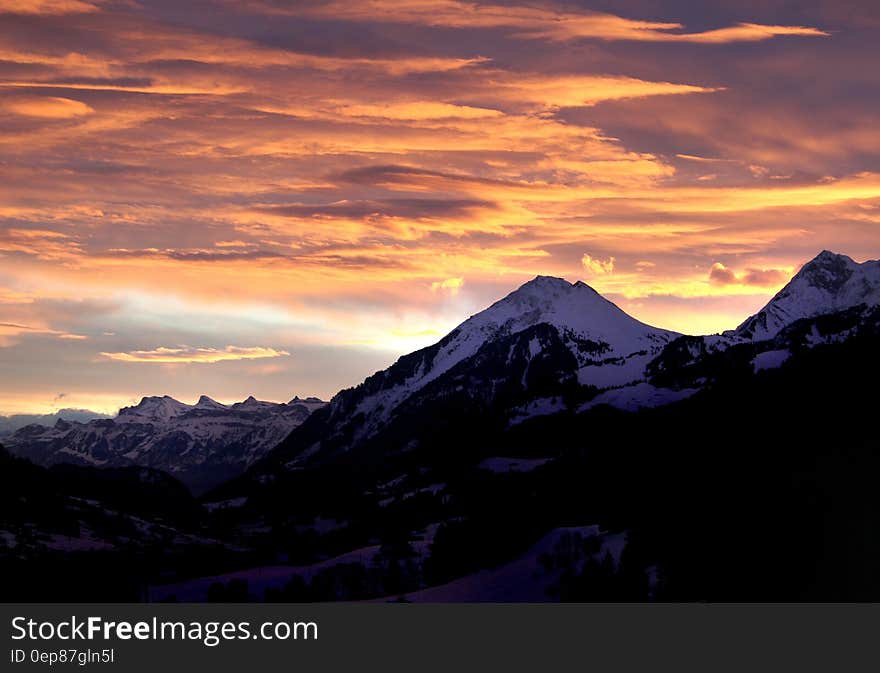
(521, 580)
(770, 359)
(542, 406)
(641, 395)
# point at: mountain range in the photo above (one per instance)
(202, 444)
(549, 347)
(555, 347)
(551, 441)
(9, 424)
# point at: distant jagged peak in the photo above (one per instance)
(252, 403)
(305, 400)
(207, 403)
(156, 407)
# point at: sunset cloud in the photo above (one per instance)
(46, 7)
(746, 32)
(347, 181)
(597, 267)
(450, 285)
(186, 354)
(764, 278)
(48, 107)
(42, 244)
(418, 110)
(577, 90)
(10, 333)
(533, 22)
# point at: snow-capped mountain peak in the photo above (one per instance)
(206, 402)
(553, 347)
(154, 408)
(310, 403)
(593, 327)
(607, 346)
(828, 283)
(250, 403)
(574, 307)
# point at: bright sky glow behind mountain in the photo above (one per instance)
(277, 198)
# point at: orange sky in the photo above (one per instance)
(277, 198)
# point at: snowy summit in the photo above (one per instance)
(828, 283)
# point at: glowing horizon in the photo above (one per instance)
(110, 403)
(275, 198)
